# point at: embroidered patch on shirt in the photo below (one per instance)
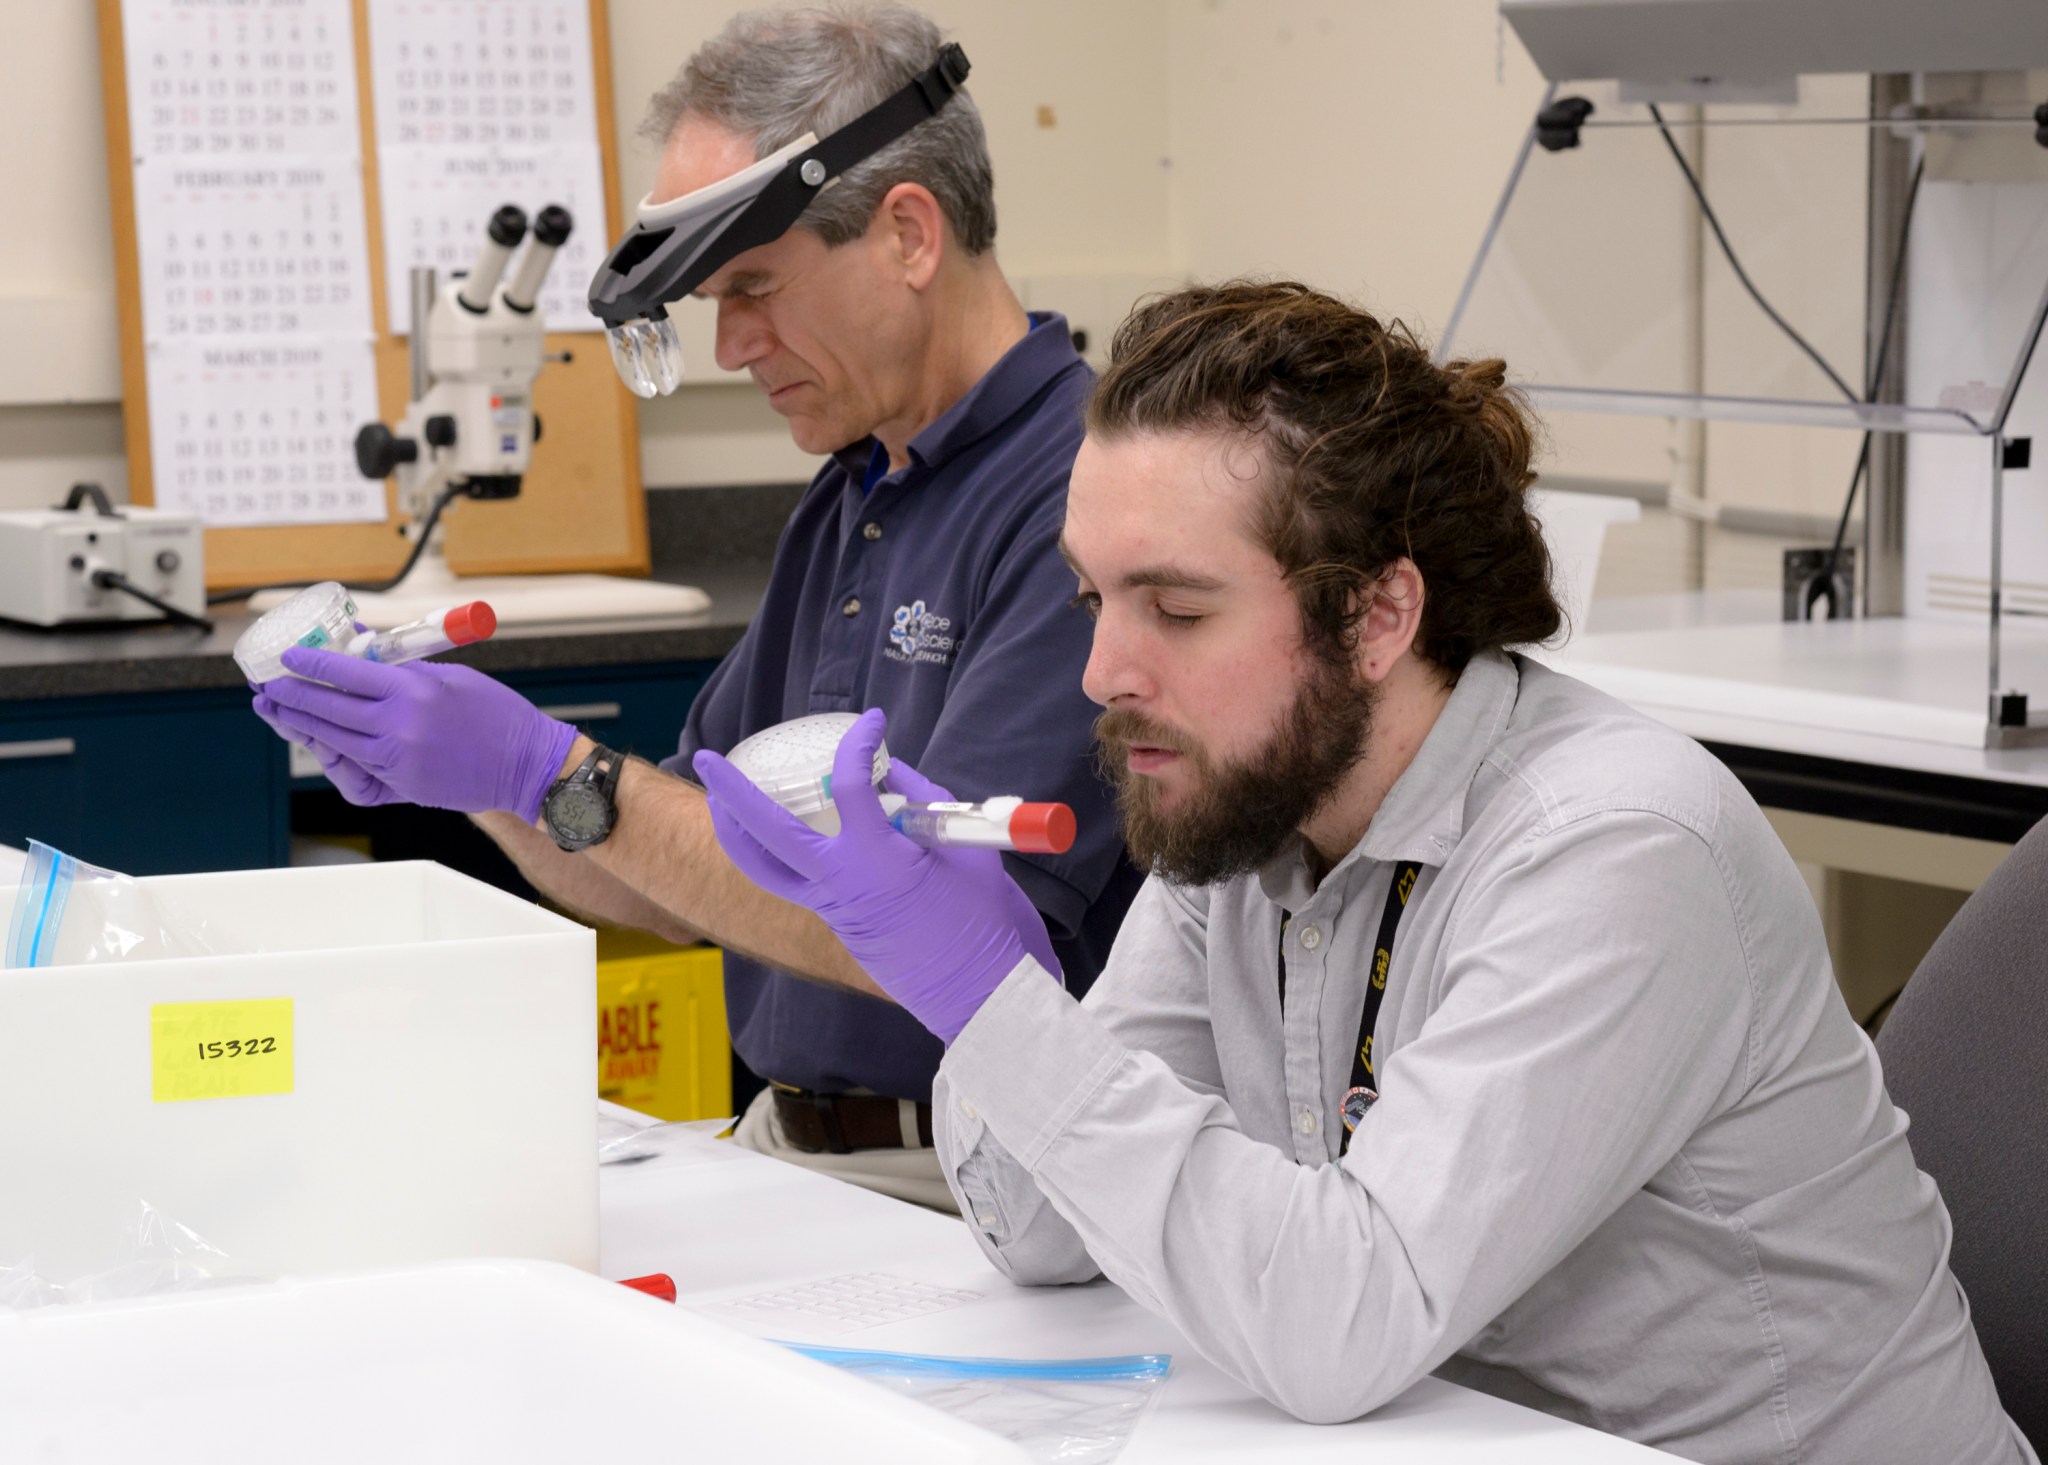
(917, 634)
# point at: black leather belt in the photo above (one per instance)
(839, 1124)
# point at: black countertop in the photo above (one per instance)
(720, 540)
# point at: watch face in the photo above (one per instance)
(577, 811)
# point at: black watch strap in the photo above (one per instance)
(604, 766)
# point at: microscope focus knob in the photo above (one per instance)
(379, 451)
(441, 431)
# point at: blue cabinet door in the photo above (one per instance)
(42, 795)
(638, 710)
(148, 785)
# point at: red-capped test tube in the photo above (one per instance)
(1006, 823)
(444, 630)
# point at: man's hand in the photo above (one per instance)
(445, 736)
(938, 929)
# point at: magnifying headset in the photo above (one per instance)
(676, 246)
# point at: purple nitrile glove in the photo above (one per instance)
(267, 710)
(355, 785)
(938, 929)
(423, 733)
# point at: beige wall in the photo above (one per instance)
(1360, 147)
(60, 383)
(1363, 148)
(1357, 146)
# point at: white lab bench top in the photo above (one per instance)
(1891, 692)
(726, 1223)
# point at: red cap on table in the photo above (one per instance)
(654, 1284)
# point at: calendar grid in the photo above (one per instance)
(481, 103)
(253, 257)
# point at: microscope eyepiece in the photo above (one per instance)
(508, 225)
(501, 237)
(553, 225)
(550, 231)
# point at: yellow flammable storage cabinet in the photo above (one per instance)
(662, 1044)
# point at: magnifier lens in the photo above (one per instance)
(627, 358)
(648, 356)
(665, 353)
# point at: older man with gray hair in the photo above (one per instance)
(920, 574)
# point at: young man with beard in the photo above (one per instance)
(1469, 1021)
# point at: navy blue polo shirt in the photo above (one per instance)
(937, 593)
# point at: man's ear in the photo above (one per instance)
(1393, 617)
(913, 232)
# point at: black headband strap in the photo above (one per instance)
(779, 204)
(790, 192)
(893, 116)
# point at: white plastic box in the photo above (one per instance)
(441, 1103)
(500, 1363)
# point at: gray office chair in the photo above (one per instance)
(1966, 1056)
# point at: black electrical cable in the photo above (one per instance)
(1728, 251)
(115, 580)
(1877, 365)
(227, 597)
(1824, 583)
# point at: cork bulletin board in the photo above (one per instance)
(270, 162)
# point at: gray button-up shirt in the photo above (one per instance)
(1632, 1162)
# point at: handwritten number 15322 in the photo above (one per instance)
(237, 1048)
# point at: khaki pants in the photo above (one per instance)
(911, 1175)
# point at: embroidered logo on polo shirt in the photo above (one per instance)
(917, 634)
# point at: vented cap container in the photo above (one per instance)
(792, 763)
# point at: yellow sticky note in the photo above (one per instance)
(220, 1050)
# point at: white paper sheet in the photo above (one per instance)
(262, 431)
(481, 103)
(252, 248)
(218, 78)
(841, 1304)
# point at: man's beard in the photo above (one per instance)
(1236, 816)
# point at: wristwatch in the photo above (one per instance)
(580, 810)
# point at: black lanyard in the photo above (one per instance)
(1363, 1080)
(1362, 1076)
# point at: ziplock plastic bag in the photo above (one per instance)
(161, 1255)
(649, 1142)
(1057, 1409)
(617, 1133)
(66, 912)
